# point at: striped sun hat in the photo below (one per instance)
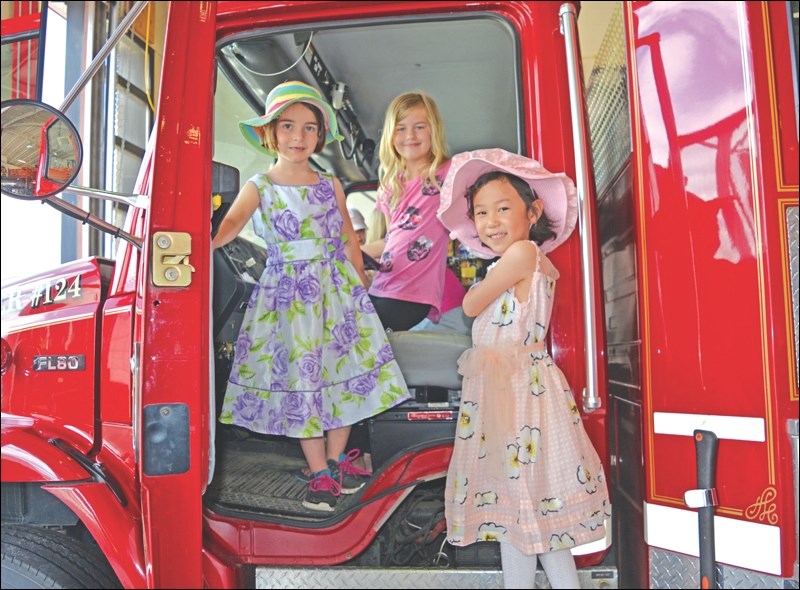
(282, 96)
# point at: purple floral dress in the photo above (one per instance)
(312, 354)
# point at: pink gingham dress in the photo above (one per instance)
(523, 469)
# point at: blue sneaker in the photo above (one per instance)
(350, 478)
(323, 491)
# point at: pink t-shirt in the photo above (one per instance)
(454, 291)
(415, 255)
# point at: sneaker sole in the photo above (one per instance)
(319, 507)
(353, 490)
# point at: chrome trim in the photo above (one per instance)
(135, 397)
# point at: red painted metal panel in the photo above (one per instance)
(27, 456)
(50, 321)
(175, 345)
(709, 237)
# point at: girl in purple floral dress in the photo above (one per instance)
(312, 357)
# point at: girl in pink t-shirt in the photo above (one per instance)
(413, 255)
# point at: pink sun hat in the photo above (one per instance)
(555, 189)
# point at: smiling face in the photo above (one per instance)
(412, 138)
(297, 132)
(501, 216)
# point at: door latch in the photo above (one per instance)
(171, 266)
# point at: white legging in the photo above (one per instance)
(519, 570)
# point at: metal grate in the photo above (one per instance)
(607, 105)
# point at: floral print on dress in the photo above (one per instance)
(312, 354)
(503, 313)
(549, 483)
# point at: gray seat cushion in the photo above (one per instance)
(429, 358)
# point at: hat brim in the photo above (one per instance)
(555, 189)
(247, 127)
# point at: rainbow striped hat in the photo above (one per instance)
(282, 96)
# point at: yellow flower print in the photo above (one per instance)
(585, 478)
(595, 521)
(460, 489)
(466, 420)
(512, 461)
(490, 531)
(537, 387)
(485, 498)
(573, 409)
(551, 505)
(482, 447)
(456, 534)
(563, 541)
(504, 311)
(551, 287)
(528, 441)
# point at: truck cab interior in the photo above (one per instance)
(477, 88)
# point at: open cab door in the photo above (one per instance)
(172, 396)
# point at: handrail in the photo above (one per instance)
(567, 15)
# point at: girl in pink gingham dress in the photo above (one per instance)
(523, 471)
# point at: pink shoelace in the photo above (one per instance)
(326, 483)
(346, 464)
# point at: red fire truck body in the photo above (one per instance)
(109, 366)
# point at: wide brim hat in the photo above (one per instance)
(357, 219)
(283, 96)
(555, 189)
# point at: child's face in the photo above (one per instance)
(297, 133)
(412, 137)
(501, 216)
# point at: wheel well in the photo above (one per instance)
(28, 503)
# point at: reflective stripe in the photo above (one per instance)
(739, 543)
(729, 427)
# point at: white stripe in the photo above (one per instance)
(728, 427)
(739, 543)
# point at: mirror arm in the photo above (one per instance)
(77, 213)
(123, 198)
(98, 59)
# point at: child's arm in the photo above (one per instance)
(514, 268)
(238, 215)
(375, 249)
(353, 249)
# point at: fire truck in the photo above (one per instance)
(676, 322)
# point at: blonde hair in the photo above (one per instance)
(377, 226)
(393, 166)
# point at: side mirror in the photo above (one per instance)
(41, 150)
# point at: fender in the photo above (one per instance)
(27, 457)
(117, 529)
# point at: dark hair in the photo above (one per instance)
(541, 231)
(270, 140)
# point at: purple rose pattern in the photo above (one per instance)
(314, 365)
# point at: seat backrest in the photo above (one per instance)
(225, 183)
(429, 358)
